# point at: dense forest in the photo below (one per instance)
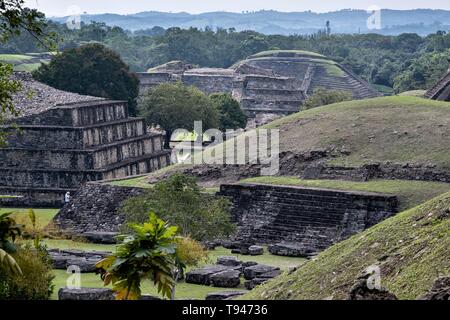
(404, 62)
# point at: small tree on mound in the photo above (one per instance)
(231, 115)
(91, 69)
(176, 106)
(181, 201)
(322, 97)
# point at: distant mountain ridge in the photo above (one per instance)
(393, 22)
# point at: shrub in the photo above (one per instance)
(181, 201)
(231, 115)
(35, 282)
(176, 106)
(150, 251)
(322, 97)
(91, 69)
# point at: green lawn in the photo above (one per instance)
(139, 182)
(14, 58)
(28, 67)
(183, 290)
(410, 193)
(43, 216)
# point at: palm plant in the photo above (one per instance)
(9, 231)
(148, 253)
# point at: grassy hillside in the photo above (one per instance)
(396, 130)
(411, 249)
(25, 62)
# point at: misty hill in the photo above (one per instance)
(393, 22)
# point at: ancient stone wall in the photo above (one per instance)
(274, 82)
(95, 208)
(67, 145)
(313, 218)
(209, 83)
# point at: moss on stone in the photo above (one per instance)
(410, 248)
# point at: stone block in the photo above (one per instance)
(257, 270)
(86, 294)
(226, 279)
(228, 261)
(85, 265)
(203, 275)
(101, 237)
(224, 295)
(255, 250)
(290, 250)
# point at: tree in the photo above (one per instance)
(180, 200)
(231, 115)
(15, 18)
(152, 251)
(423, 72)
(7, 88)
(91, 69)
(176, 106)
(322, 97)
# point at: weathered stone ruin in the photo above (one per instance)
(62, 140)
(269, 83)
(312, 219)
(441, 90)
(293, 221)
(95, 209)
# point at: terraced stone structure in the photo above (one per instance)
(271, 82)
(312, 219)
(441, 90)
(54, 148)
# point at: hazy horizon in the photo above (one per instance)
(65, 7)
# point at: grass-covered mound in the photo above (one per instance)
(411, 249)
(395, 129)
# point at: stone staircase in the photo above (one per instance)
(346, 82)
(314, 218)
(270, 94)
(437, 91)
(59, 149)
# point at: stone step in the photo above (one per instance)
(84, 159)
(53, 178)
(79, 114)
(292, 217)
(67, 137)
(334, 195)
(304, 198)
(323, 201)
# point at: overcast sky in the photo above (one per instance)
(63, 7)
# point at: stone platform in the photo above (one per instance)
(311, 218)
(59, 148)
